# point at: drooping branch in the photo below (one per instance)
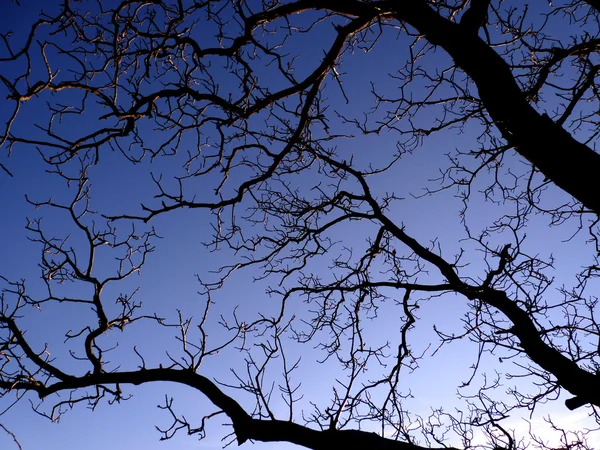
(245, 427)
(569, 375)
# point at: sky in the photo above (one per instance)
(168, 281)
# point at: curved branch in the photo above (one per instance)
(245, 427)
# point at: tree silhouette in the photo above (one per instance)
(252, 111)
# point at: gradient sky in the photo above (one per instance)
(168, 280)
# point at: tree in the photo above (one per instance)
(255, 114)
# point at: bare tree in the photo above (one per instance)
(244, 109)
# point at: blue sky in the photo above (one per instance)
(168, 280)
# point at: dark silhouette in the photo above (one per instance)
(243, 110)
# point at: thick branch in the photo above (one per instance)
(474, 17)
(568, 374)
(572, 166)
(245, 427)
